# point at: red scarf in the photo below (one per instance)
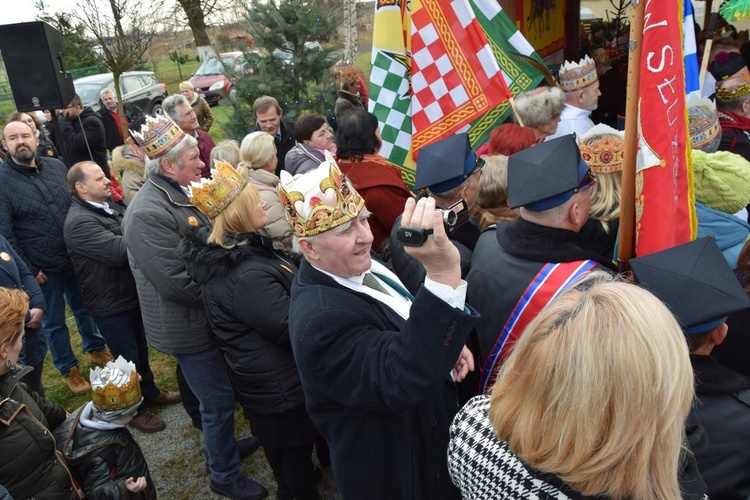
(731, 121)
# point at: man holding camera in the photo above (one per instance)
(448, 171)
(375, 362)
(518, 267)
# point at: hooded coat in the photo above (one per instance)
(103, 459)
(246, 293)
(129, 161)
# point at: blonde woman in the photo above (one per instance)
(257, 164)
(592, 401)
(199, 105)
(491, 205)
(246, 286)
(228, 151)
(602, 149)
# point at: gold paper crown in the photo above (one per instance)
(576, 76)
(212, 196)
(116, 386)
(603, 155)
(348, 74)
(726, 94)
(158, 135)
(318, 200)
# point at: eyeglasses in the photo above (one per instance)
(588, 180)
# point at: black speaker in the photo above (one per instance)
(34, 60)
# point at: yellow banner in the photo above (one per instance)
(543, 24)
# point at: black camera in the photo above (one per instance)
(453, 217)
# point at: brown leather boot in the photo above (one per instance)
(100, 358)
(76, 383)
(148, 422)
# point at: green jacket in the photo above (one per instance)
(30, 466)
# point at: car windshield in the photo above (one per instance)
(215, 67)
(89, 92)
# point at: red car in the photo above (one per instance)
(214, 79)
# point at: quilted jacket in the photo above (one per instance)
(33, 205)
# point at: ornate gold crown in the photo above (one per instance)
(577, 75)
(212, 196)
(726, 94)
(116, 386)
(158, 135)
(348, 74)
(318, 200)
(605, 154)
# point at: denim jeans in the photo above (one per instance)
(126, 337)
(208, 377)
(61, 287)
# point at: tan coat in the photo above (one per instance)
(265, 182)
(132, 169)
(203, 112)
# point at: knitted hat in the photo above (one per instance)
(726, 64)
(721, 180)
(705, 131)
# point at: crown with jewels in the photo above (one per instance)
(575, 76)
(318, 200)
(703, 124)
(158, 135)
(212, 196)
(115, 387)
(605, 154)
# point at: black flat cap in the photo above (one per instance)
(695, 281)
(545, 175)
(445, 164)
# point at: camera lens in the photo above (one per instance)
(450, 218)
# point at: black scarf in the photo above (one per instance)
(713, 378)
(530, 241)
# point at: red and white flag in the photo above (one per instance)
(455, 76)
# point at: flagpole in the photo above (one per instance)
(512, 103)
(709, 41)
(626, 246)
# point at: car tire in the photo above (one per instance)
(156, 109)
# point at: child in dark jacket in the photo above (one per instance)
(100, 451)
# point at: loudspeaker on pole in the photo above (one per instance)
(34, 56)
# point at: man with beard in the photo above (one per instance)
(580, 83)
(34, 202)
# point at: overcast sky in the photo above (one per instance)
(23, 11)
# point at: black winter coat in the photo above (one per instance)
(378, 386)
(30, 466)
(33, 205)
(722, 409)
(246, 296)
(100, 258)
(111, 129)
(84, 139)
(102, 460)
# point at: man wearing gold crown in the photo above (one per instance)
(171, 301)
(733, 103)
(375, 361)
(580, 83)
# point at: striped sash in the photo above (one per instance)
(549, 282)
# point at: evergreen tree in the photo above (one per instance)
(293, 65)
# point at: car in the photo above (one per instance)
(215, 77)
(140, 88)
